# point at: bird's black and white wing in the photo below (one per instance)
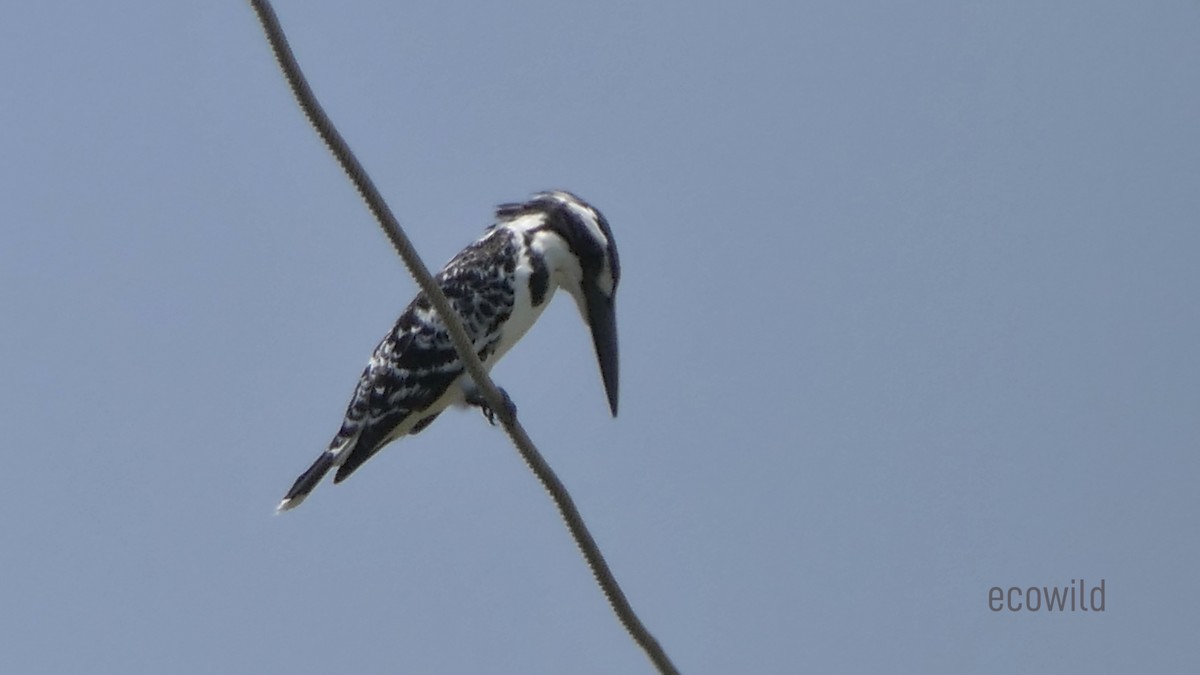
(408, 381)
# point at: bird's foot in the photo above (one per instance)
(476, 399)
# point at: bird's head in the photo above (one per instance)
(583, 261)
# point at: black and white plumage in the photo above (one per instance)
(499, 285)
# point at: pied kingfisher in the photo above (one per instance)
(499, 285)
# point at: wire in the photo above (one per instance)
(495, 400)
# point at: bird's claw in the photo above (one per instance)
(477, 400)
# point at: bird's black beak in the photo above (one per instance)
(602, 318)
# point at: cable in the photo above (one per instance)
(495, 400)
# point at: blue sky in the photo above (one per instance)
(908, 311)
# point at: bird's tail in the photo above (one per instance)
(334, 456)
(307, 481)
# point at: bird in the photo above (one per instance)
(498, 285)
